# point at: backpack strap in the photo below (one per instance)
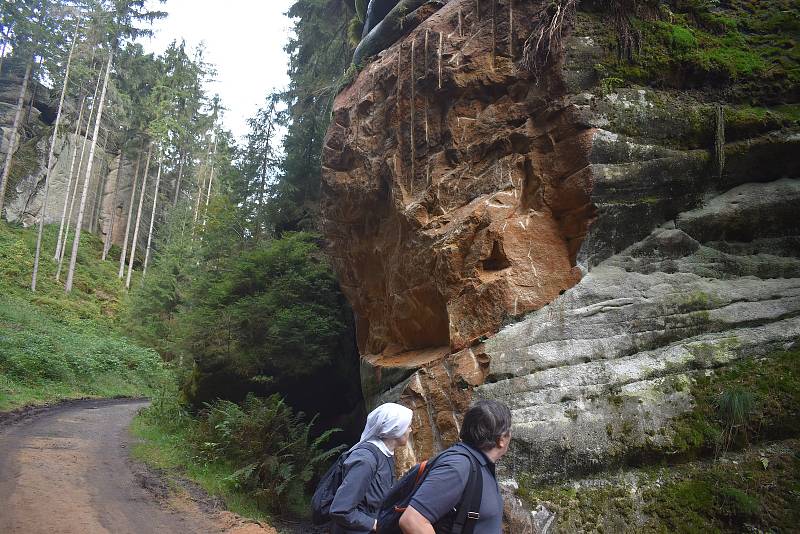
(468, 511)
(376, 452)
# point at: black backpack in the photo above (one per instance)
(330, 482)
(463, 518)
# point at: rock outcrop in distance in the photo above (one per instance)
(25, 192)
(605, 259)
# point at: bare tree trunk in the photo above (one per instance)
(200, 187)
(57, 254)
(2, 56)
(152, 216)
(14, 128)
(50, 162)
(178, 183)
(76, 242)
(138, 218)
(130, 214)
(77, 180)
(102, 178)
(208, 196)
(34, 92)
(110, 233)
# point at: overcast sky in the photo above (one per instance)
(244, 39)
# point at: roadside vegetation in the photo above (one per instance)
(56, 346)
(258, 456)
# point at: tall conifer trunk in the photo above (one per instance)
(77, 240)
(124, 253)
(178, 183)
(77, 179)
(110, 233)
(57, 253)
(152, 216)
(138, 218)
(102, 178)
(14, 129)
(50, 162)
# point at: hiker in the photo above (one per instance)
(369, 470)
(485, 434)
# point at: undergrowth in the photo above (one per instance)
(57, 346)
(259, 457)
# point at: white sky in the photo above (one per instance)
(244, 39)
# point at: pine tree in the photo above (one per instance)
(138, 218)
(125, 14)
(50, 161)
(124, 253)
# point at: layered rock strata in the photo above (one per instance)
(581, 252)
(25, 193)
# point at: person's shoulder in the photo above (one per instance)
(361, 454)
(455, 457)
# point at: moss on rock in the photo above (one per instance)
(757, 490)
(747, 47)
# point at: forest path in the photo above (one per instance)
(68, 471)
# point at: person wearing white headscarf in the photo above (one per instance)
(369, 470)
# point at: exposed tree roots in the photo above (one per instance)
(546, 39)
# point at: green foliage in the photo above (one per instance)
(681, 38)
(55, 346)
(260, 453)
(354, 29)
(319, 52)
(272, 447)
(747, 44)
(274, 310)
(152, 307)
(361, 9)
(735, 406)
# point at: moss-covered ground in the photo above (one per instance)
(56, 346)
(773, 412)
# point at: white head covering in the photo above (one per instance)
(388, 420)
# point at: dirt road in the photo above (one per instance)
(68, 471)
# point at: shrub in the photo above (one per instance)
(270, 446)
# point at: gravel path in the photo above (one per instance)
(67, 470)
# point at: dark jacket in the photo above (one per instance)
(368, 476)
(442, 489)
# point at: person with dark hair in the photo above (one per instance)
(434, 507)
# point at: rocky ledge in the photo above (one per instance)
(611, 260)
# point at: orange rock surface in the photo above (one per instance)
(455, 198)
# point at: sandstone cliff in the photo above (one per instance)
(25, 191)
(607, 246)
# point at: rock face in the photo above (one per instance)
(587, 254)
(440, 166)
(25, 193)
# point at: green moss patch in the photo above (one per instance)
(748, 44)
(773, 383)
(758, 488)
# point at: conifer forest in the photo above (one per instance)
(585, 209)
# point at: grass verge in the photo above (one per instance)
(56, 346)
(167, 443)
